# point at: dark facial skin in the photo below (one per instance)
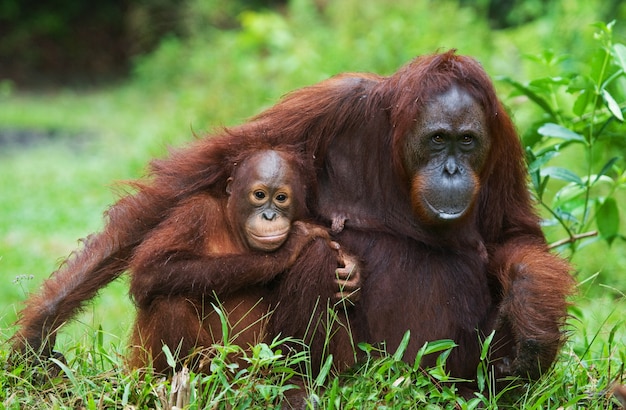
(444, 156)
(261, 191)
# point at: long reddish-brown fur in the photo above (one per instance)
(492, 271)
(202, 166)
(199, 257)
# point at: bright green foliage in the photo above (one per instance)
(581, 114)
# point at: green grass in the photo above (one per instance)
(95, 378)
(54, 192)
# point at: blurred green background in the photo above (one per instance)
(89, 93)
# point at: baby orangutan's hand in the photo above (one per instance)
(347, 277)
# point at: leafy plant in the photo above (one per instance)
(581, 113)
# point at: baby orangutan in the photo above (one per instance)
(229, 251)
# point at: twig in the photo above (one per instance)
(573, 238)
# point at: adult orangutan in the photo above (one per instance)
(422, 176)
(427, 172)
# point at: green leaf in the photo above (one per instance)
(223, 321)
(558, 131)
(126, 394)
(541, 188)
(366, 347)
(439, 345)
(562, 174)
(486, 344)
(570, 196)
(607, 219)
(612, 333)
(533, 96)
(612, 105)
(100, 339)
(567, 216)
(596, 63)
(536, 179)
(169, 356)
(547, 82)
(321, 377)
(333, 394)
(581, 103)
(580, 83)
(432, 347)
(480, 377)
(441, 364)
(604, 27)
(68, 372)
(402, 347)
(541, 160)
(547, 57)
(606, 168)
(530, 137)
(619, 53)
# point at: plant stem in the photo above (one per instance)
(591, 139)
(573, 238)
